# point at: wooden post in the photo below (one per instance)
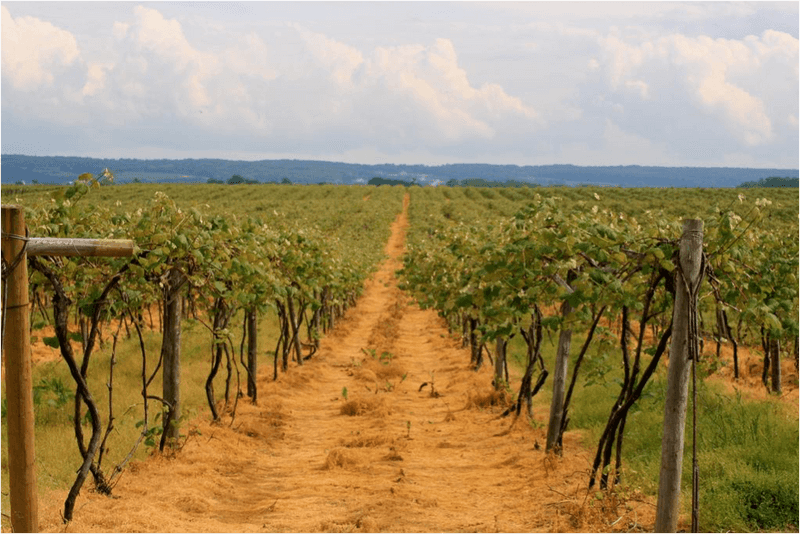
(171, 350)
(499, 364)
(559, 383)
(252, 354)
(19, 381)
(775, 362)
(669, 484)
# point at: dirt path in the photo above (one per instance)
(391, 457)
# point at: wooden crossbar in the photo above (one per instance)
(49, 246)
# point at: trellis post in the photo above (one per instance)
(680, 355)
(16, 248)
(19, 382)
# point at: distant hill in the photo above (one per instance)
(63, 169)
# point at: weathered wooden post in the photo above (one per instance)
(684, 313)
(499, 364)
(171, 351)
(559, 384)
(16, 248)
(775, 361)
(252, 354)
(19, 382)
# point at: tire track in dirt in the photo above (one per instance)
(392, 457)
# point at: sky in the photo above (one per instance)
(523, 83)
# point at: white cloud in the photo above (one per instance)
(723, 78)
(432, 78)
(34, 50)
(338, 58)
(120, 29)
(96, 78)
(201, 80)
(621, 58)
(741, 108)
(165, 40)
(639, 86)
(292, 86)
(250, 57)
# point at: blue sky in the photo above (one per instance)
(587, 83)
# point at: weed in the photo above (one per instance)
(52, 392)
(385, 358)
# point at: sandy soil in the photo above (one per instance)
(388, 455)
(392, 456)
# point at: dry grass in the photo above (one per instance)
(341, 458)
(365, 406)
(373, 440)
(487, 399)
(389, 371)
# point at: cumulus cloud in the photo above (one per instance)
(320, 87)
(430, 79)
(291, 83)
(417, 77)
(723, 78)
(96, 78)
(165, 41)
(339, 59)
(34, 51)
(120, 29)
(249, 57)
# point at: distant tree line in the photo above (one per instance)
(238, 179)
(773, 181)
(377, 180)
(467, 182)
(480, 182)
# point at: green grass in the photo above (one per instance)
(747, 450)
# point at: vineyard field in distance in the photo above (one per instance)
(382, 316)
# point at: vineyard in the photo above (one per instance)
(323, 358)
